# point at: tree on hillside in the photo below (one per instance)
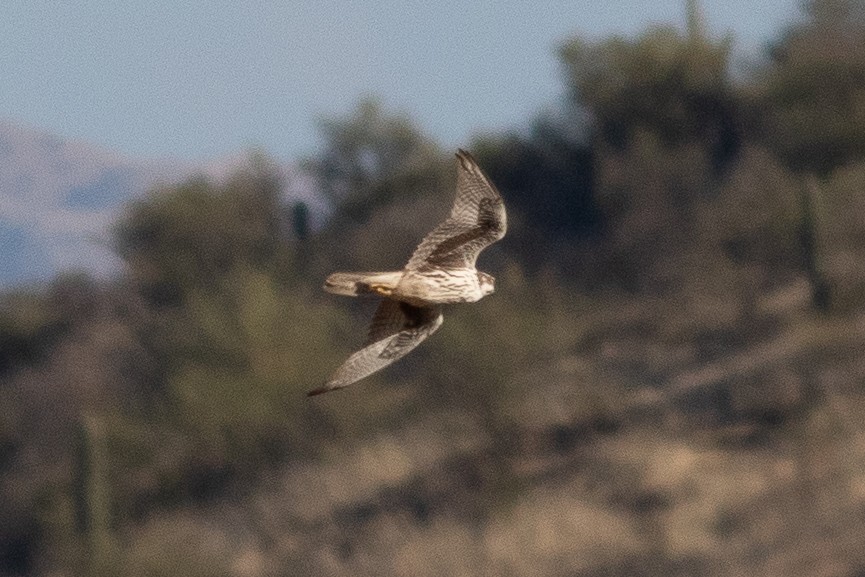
(370, 156)
(673, 86)
(186, 238)
(807, 105)
(228, 310)
(664, 129)
(547, 178)
(810, 97)
(387, 183)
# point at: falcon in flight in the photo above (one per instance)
(441, 271)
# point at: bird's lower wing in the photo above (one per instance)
(397, 328)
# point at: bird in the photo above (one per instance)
(440, 271)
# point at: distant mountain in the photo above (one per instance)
(58, 199)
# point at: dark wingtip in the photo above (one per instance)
(465, 158)
(318, 391)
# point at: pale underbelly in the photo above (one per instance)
(438, 287)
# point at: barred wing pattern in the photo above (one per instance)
(444, 263)
(396, 329)
(476, 220)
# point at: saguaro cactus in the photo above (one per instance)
(694, 17)
(300, 220)
(91, 495)
(810, 238)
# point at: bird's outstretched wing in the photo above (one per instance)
(476, 220)
(396, 329)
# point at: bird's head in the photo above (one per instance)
(487, 282)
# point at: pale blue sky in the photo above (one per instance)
(196, 79)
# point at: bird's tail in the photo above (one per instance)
(359, 283)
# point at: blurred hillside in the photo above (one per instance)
(668, 380)
(59, 198)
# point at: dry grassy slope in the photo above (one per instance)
(750, 462)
